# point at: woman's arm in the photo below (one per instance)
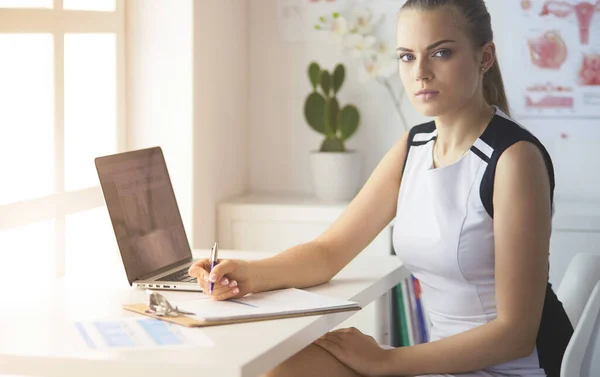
(522, 219)
(316, 262)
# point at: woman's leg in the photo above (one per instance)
(312, 361)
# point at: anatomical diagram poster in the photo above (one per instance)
(560, 77)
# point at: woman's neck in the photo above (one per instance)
(459, 129)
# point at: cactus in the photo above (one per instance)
(322, 109)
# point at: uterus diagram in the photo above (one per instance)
(589, 73)
(584, 11)
(548, 50)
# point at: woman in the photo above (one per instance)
(473, 218)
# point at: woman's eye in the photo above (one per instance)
(442, 53)
(406, 57)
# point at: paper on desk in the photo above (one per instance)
(265, 304)
(137, 333)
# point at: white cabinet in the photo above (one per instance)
(271, 222)
(575, 229)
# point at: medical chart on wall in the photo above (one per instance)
(560, 43)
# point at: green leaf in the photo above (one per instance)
(314, 73)
(314, 112)
(333, 110)
(332, 144)
(326, 82)
(338, 77)
(348, 121)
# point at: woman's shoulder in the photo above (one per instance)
(511, 144)
(504, 131)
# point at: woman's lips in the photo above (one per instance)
(427, 95)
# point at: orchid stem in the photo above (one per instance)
(385, 82)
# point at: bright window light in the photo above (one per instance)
(91, 246)
(94, 5)
(90, 105)
(26, 116)
(26, 3)
(27, 253)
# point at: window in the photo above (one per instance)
(61, 105)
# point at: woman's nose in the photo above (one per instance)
(423, 73)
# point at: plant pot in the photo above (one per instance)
(336, 175)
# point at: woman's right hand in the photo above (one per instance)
(231, 278)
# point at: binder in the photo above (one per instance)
(420, 315)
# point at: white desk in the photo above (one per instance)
(32, 340)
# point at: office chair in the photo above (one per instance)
(579, 291)
(582, 356)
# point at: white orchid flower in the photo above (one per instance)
(362, 20)
(381, 48)
(375, 67)
(338, 25)
(360, 45)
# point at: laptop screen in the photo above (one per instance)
(143, 211)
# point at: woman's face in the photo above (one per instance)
(438, 66)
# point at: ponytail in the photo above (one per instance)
(493, 88)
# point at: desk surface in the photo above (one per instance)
(32, 339)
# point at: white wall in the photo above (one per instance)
(159, 88)
(187, 91)
(280, 139)
(220, 109)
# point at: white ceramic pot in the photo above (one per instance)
(336, 175)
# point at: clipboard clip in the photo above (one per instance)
(160, 306)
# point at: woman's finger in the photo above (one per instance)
(226, 294)
(329, 346)
(221, 270)
(333, 337)
(218, 288)
(198, 269)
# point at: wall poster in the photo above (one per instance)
(560, 43)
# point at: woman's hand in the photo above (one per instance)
(231, 278)
(355, 349)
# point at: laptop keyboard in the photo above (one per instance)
(181, 275)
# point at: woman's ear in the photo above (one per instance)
(488, 55)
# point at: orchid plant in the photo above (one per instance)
(357, 36)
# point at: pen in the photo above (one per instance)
(213, 262)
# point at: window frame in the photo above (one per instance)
(58, 22)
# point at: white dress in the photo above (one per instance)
(444, 235)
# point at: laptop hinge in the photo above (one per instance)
(160, 271)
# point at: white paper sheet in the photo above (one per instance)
(285, 301)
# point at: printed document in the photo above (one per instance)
(136, 333)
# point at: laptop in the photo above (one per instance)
(146, 220)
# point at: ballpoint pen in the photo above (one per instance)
(213, 262)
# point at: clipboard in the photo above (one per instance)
(185, 320)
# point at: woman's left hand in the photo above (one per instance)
(355, 349)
